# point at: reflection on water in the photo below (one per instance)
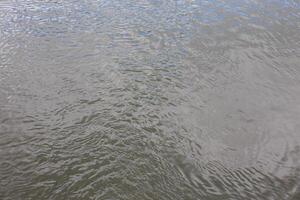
(150, 99)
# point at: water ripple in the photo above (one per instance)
(149, 99)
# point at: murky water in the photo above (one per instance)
(150, 99)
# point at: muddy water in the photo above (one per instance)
(150, 99)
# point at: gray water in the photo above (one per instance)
(150, 99)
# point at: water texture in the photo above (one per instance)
(150, 99)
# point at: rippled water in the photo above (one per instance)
(150, 99)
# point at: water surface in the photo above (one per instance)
(150, 99)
